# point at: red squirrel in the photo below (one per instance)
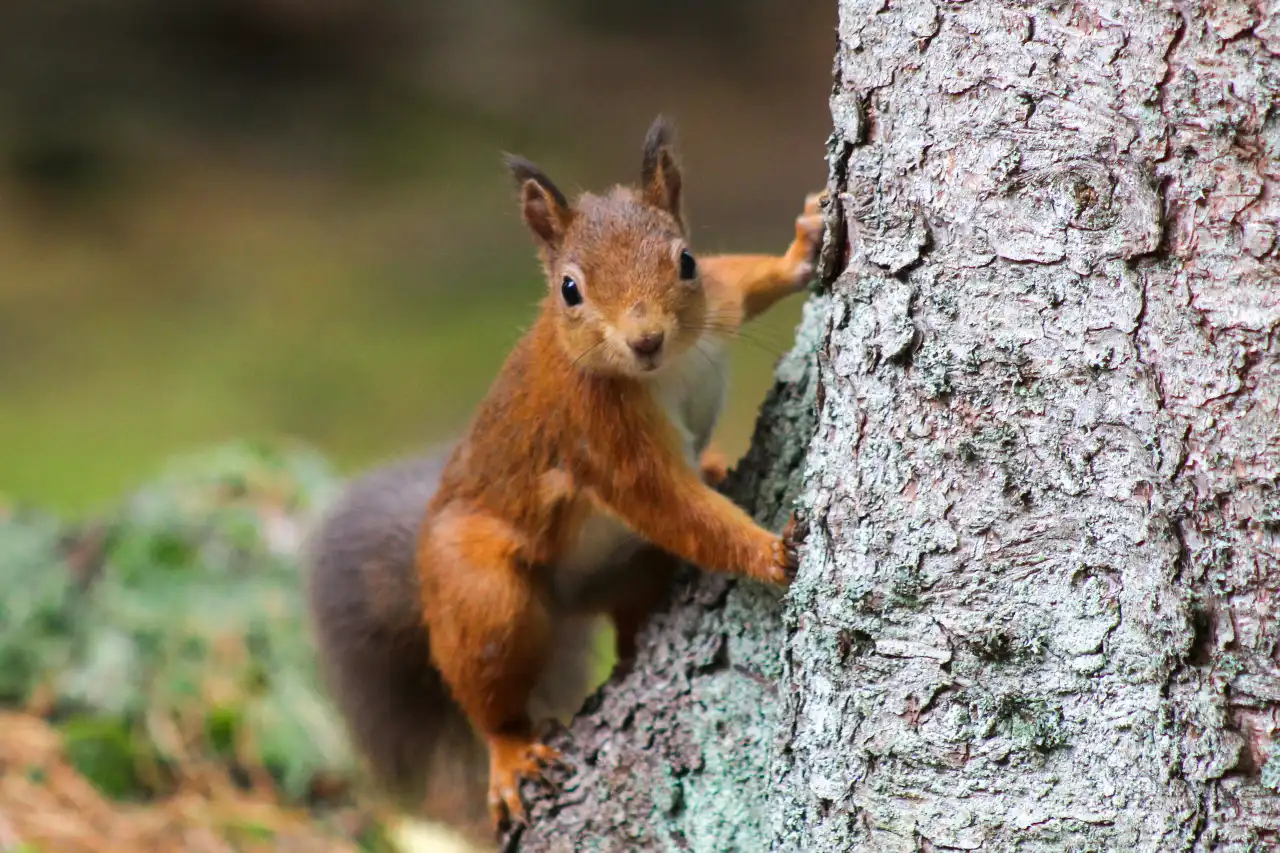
(449, 594)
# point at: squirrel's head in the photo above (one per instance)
(625, 293)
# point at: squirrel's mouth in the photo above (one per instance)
(648, 363)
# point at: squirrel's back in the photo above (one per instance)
(375, 651)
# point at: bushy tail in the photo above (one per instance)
(375, 652)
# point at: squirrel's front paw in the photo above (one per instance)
(780, 565)
(804, 250)
(794, 535)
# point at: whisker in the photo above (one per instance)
(774, 348)
(587, 352)
(711, 362)
(773, 351)
(728, 317)
(774, 337)
(729, 324)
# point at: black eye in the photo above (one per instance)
(688, 266)
(569, 290)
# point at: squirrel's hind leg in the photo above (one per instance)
(491, 638)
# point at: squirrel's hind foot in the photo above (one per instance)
(511, 762)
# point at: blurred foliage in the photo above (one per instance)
(722, 23)
(39, 606)
(181, 635)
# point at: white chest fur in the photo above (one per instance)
(691, 393)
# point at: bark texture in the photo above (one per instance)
(1033, 429)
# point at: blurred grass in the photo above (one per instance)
(216, 298)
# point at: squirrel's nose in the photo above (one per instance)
(647, 344)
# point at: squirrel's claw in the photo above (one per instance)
(510, 767)
(792, 535)
(813, 203)
(808, 242)
(782, 559)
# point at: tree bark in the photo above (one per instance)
(1033, 431)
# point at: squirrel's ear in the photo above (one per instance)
(545, 209)
(659, 173)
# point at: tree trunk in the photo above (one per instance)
(1033, 430)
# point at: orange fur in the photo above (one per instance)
(578, 427)
(714, 466)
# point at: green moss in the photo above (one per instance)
(38, 612)
(1031, 723)
(997, 645)
(247, 832)
(934, 367)
(106, 753)
(1228, 664)
(221, 726)
(374, 838)
(907, 589)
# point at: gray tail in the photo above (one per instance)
(374, 649)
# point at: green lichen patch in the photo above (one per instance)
(1001, 645)
(1042, 730)
(1031, 724)
(1271, 770)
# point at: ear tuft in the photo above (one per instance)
(659, 173)
(523, 171)
(544, 207)
(661, 135)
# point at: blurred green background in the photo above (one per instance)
(251, 219)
